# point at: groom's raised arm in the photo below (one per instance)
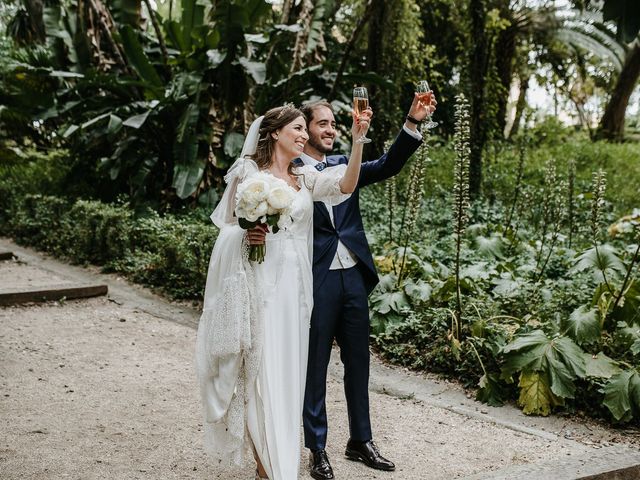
(405, 144)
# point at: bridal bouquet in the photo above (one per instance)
(263, 198)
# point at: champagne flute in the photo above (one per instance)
(421, 89)
(360, 104)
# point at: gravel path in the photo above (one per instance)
(105, 389)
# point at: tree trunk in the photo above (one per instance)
(375, 50)
(612, 124)
(520, 104)
(35, 9)
(505, 53)
(477, 77)
(376, 36)
(347, 49)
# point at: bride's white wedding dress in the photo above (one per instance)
(252, 340)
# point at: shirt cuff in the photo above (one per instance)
(415, 134)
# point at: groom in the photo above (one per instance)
(343, 277)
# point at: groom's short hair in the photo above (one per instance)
(309, 107)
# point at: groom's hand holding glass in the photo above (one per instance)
(361, 123)
(423, 105)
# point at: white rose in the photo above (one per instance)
(284, 221)
(252, 191)
(261, 209)
(280, 197)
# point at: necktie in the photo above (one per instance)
(320, 166)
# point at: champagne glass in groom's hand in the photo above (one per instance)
(360, 104)
(422, 89)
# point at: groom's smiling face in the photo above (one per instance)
(322, 132)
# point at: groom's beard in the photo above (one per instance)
(315, 143)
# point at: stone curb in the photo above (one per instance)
(612, 463)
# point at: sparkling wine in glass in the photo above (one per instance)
(421, 89)
(360, 104)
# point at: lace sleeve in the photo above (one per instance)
(325, 185)
(224, 211)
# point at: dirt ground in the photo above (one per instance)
(105, 389)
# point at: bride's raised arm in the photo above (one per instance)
(359, 128)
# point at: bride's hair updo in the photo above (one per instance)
(273, 120)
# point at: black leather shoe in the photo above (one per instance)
(368, 453)
(320, 466)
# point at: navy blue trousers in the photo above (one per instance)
(340, 312)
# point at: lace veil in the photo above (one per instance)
(229, 338)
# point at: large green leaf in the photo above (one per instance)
(506, 286)
(489, 246)
(192, 17)
(187, 126)
(418, 291)
(600, 366)
(490, 390)
(535, 396)
(136, 121)
(559, 359)
(478, 271)
(622, 395)
(630, 335)
(186, 178)
(388, 301)
(602, 259)
(628, 309)
(583, 325)
(139, 61)
(233, 142)
(257, 70)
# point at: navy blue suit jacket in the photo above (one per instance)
(348, 221)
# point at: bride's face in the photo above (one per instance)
(292, 137)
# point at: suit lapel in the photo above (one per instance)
(322, 208)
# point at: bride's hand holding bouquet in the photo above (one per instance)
(263, 201)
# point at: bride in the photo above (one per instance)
(252, 341)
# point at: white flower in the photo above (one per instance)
(284, 221)
(262, 194)
(280, 197)
(253, 191)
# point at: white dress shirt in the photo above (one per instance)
(344, 257)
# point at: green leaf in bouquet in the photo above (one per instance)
(246, 224)
(583, 325)
(272, 220)
(491, 390)
(600, 366)
(622, 395)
